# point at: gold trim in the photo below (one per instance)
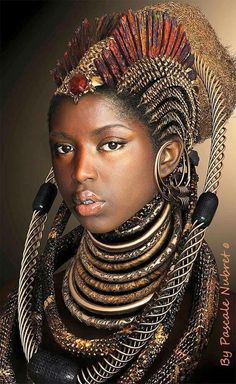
(48, 301)
(137, 273)
(115, 299)
(80, 272)
(102, 309)
(111, 267)
(135, 243)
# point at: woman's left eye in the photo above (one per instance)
(63, 148)
(112, 145)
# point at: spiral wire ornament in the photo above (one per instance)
(29, 264)
(178, 280)
(178, 276)
(218, 131)
(100, 372)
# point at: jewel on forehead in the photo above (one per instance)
(78, 83)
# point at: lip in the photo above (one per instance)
(85, 195)
(89, 209)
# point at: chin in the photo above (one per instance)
(97, 224)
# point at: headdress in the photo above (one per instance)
(158, 47)
(169, 56)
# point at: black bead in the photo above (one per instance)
(47, 368)
(205, 208)
(194, 158)
(45, 197)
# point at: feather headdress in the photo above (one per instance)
(155, 47)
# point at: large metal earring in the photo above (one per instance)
(175, 187)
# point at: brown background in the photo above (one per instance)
(26, 90)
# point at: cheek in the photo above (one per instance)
(62, 177)
(133, 178)
(141, 166)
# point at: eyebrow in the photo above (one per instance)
(95, 132)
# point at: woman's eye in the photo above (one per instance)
(63, 148)
(112, 145)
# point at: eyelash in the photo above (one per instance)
(58, 148)
(121, 143)
(59, 151)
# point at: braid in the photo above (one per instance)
(168, 102)
(156, 92)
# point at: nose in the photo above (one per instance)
(84, 167)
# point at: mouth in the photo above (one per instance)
(87, 203)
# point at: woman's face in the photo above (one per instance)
(98, 154)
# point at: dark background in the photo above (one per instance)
(34, 34)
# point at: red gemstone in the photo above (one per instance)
(78, 83)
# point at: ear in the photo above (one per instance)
(169, 154)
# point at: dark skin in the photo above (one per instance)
(105, 173)
(116, 163)
(95, 147)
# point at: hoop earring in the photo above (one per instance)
(175, 189)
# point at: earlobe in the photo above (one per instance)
(169, 155)
(172, 172)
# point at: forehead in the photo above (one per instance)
(92, 109)
(91, 112)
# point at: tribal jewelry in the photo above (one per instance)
(73, 279)
(168, 57)
(134, 262)
(178, 187)
(103, 309)
(137, 341)
(199, 319)
(135, 224)
(144, 270)
(134, 243)
(66, 340)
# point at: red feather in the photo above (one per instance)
(132, 22)
(166, 33)
(159, 35)
(126, 31)
(115, 51)
(112, 64)
(172, 39)
(104, 72)
(122, 45)
(135, 36)
(155, 28)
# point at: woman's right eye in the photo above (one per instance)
(63, 148)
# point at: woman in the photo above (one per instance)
(132, 98)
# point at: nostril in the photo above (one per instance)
(81, 173)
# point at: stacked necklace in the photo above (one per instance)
(87, 347)
(111, 280)
(139, 341)
(143, 334)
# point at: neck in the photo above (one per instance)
(115, 274)
(135, 226)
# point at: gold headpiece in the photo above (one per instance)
(159, 44)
